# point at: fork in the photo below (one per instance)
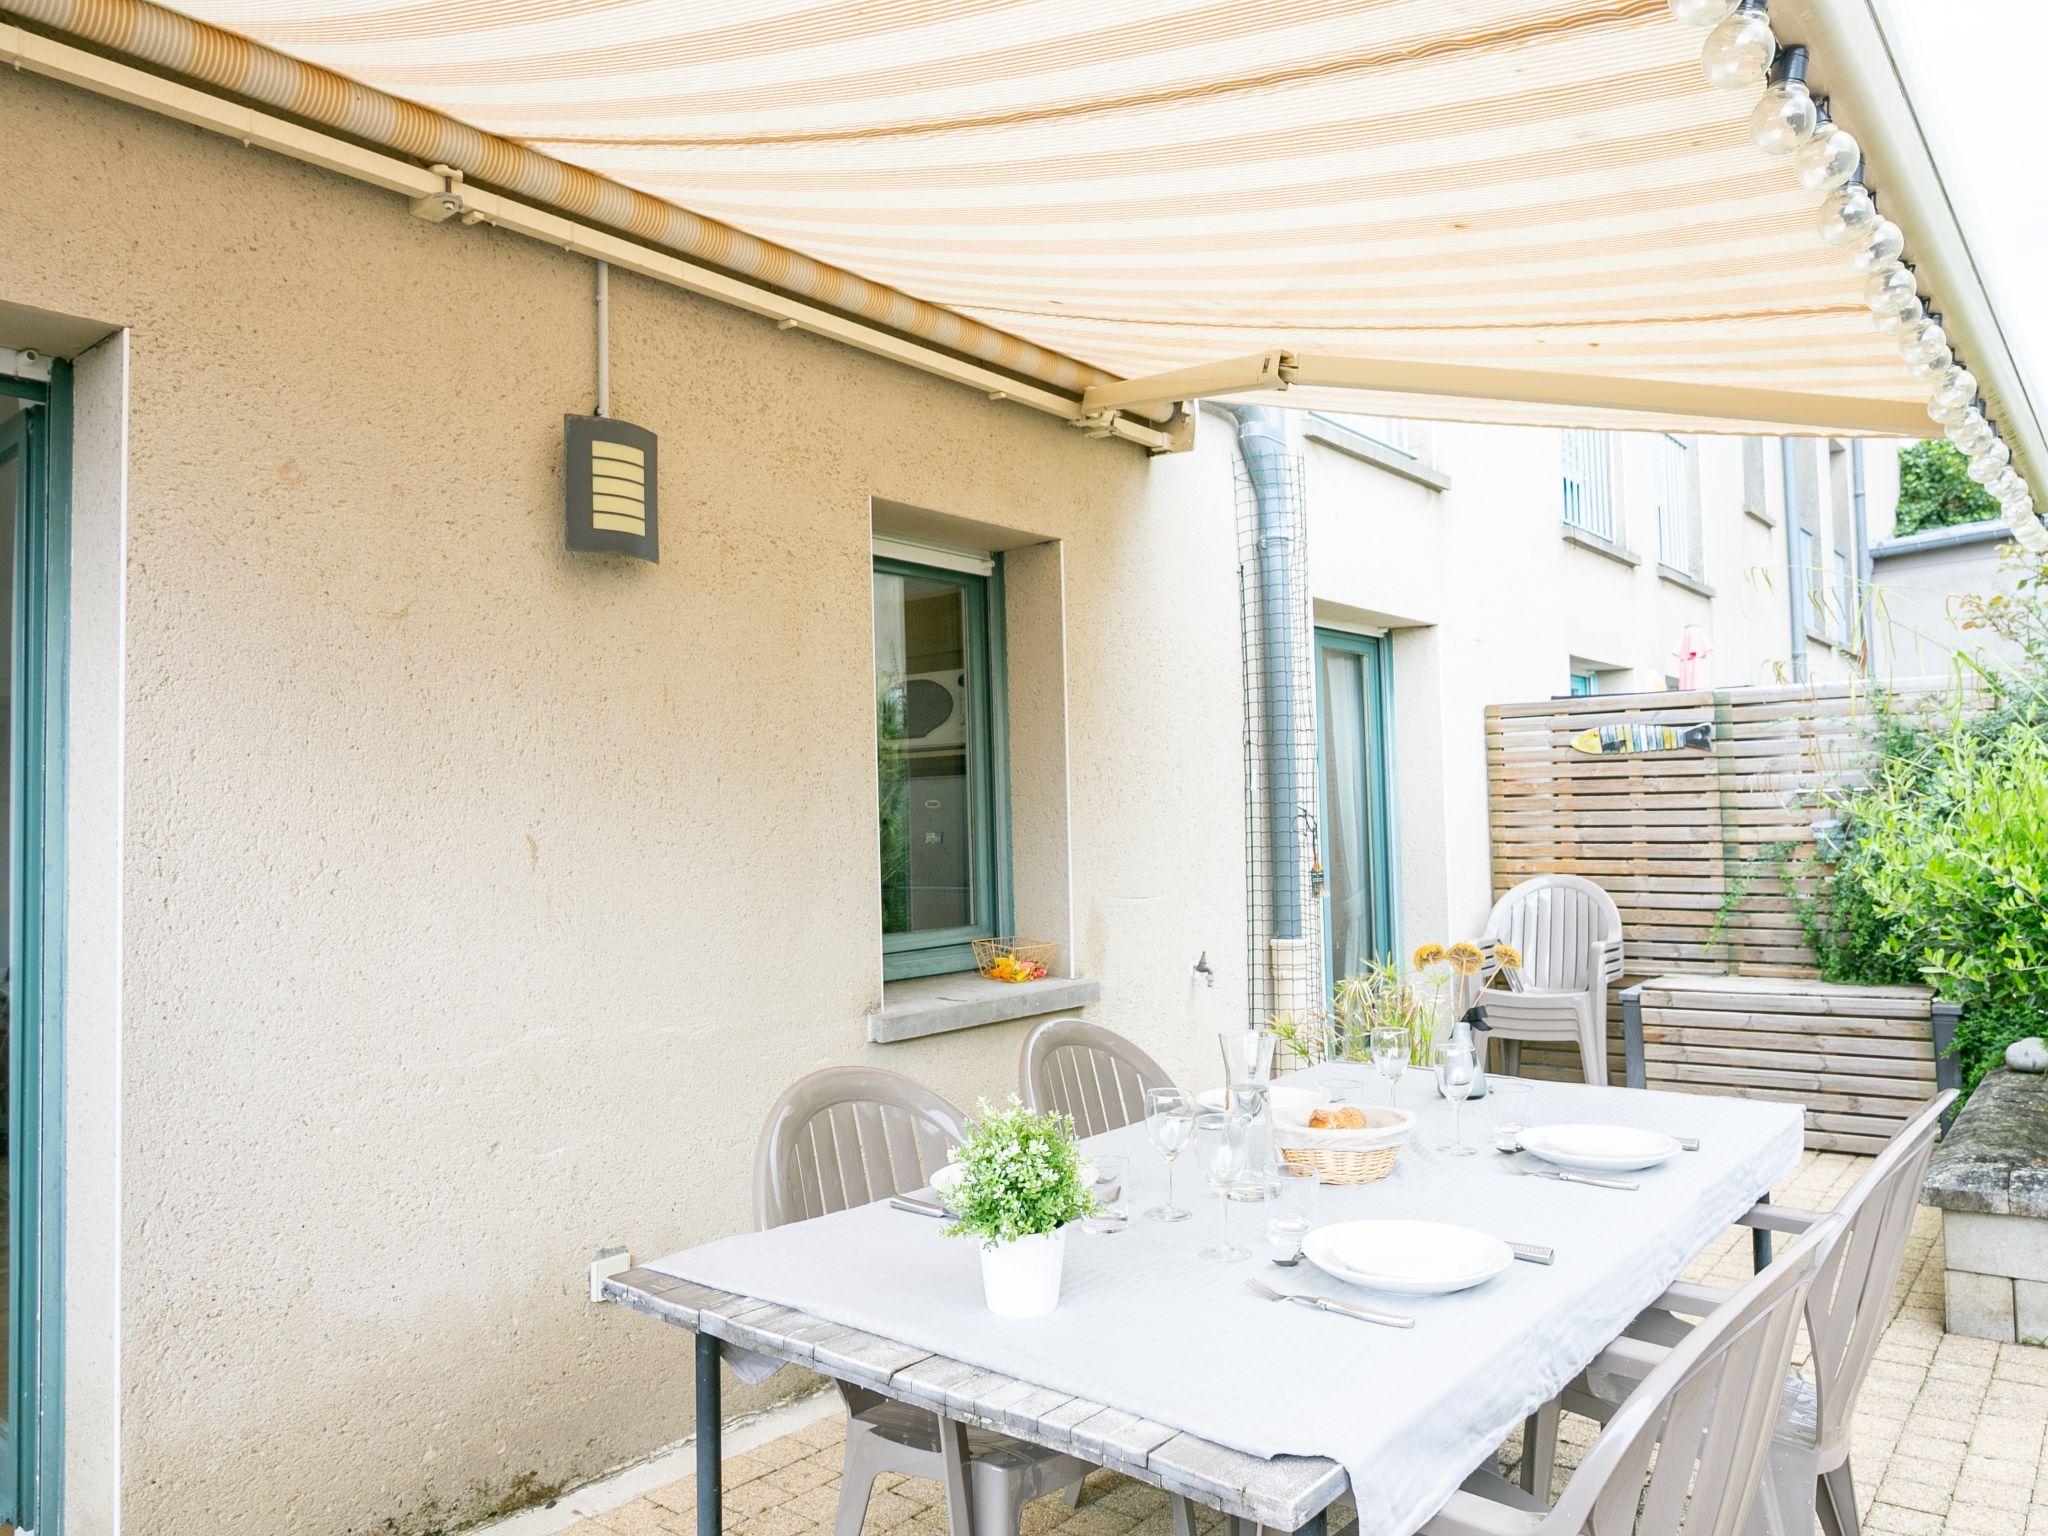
(1328, 1304)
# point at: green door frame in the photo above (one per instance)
(32, 1448)
(1385, 873)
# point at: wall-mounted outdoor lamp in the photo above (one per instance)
(610, 498)
(610, 488)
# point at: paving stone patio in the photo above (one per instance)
(1951, 1435)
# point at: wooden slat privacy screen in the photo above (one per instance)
(1697, 847)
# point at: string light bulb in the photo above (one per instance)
(1848, 215)
(1829, 158)
(1972, 433)
(1985, 465)
(1922, 341)
(1785, 115)
(1904, 320)
(1954, 393)
(1887, 245)
(1740, 48)
(1891, 291)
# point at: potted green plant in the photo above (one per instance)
(1021, 1179)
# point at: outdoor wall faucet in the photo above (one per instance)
(1200, 969)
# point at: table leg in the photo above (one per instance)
(710, 1439)
(1760, 1245)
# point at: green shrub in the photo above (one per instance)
(1942, 874)
(1936, 491)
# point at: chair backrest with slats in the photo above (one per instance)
(847, 1136)
(1684, 1456)
(1096, 1076)
(1557, 921)
(1851, 1300)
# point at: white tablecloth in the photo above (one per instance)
(1146, 1326)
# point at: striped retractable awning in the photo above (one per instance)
(1541, 186)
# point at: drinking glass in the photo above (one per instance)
(1454, 1077)
(1507, 1109)
(1390, 1057)
(1112, 1211)
(1291, 1191)
(1169, 1121)
(1220, 1149)
(1345, 1090)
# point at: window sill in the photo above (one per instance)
(937, 1005)
(1357, 445)
(1684, 579)
(1757, 516)
(1600, 546)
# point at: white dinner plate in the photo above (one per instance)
(1289, 1101)
(1599, 1148)
(1407, 1258)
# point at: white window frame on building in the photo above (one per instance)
(1587, 486)
(1678, 506)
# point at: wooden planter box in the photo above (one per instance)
(1860, 1059)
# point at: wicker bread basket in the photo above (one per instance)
(1346, 1157)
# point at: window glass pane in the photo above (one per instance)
(923, 708)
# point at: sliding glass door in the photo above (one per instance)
(1353, 686)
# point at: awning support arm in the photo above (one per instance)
(1277, 369)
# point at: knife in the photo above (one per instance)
(917, 1207)
(1685, 1144)
(1563, 1177)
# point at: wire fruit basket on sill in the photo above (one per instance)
(1014, 959)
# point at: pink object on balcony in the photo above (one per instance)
(1692, 659)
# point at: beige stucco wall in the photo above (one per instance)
(476, 899)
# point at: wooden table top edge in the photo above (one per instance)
(1284, 1492)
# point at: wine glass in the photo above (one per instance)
(1390, 1058)
(1455, 1073)
(1507, 1108)
(1169, 1121)
(1291, 1190)
(1221, 1148)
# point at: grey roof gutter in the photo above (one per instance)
(1962, 535)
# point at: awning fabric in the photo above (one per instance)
(1523, 184)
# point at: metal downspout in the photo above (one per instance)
(1866, 562)
(1795, 573)
(1262, 439)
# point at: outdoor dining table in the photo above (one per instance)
(1166, 1366)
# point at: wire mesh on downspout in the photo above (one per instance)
(1283, 868)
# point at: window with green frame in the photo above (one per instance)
(942, 763)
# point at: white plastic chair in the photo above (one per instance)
(1846, 1311)
(845, 1137)
(1091, 1074)
(1685, 1454)
(1569, 933)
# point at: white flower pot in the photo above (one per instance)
(1022, 1278)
